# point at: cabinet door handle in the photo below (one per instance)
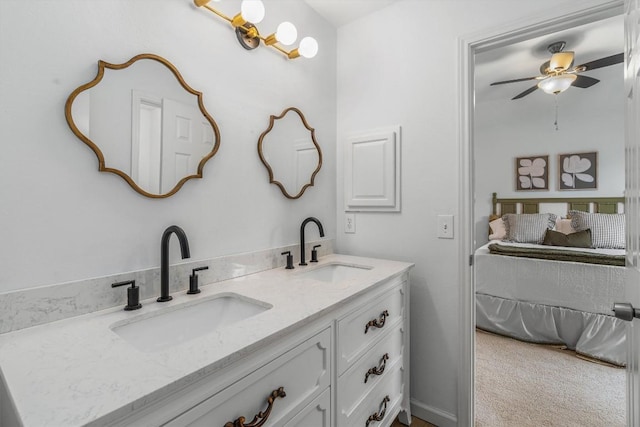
(376, 323)
(262, 416)
(379, 416)
(377, 370)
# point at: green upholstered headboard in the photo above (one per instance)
(503, 206)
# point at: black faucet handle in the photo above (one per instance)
(193, 280)
(314, 254)
(289, 260)
(133, 294)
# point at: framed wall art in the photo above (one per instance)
(532, 173)
(578, 171)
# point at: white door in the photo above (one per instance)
(186, 138)
(632, 204)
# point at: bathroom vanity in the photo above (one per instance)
(322, 345)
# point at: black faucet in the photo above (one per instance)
(164, 258)
(304, 223)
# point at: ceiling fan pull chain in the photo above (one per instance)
(556, 122)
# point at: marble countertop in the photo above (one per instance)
(76, 371)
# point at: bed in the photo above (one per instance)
(557, 294)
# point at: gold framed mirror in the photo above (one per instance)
(290, 152)
(145, 124)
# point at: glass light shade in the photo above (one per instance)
(557, 84)
(252, 11)
(286, 33)
(308, 47)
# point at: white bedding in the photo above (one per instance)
(579, 286)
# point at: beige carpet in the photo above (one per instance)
(521, 384)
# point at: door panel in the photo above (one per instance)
(632, 203)
(186, 139)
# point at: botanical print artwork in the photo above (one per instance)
(578, 171)
(532, 173)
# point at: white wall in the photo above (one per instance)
(400, 66)
(588, 120)
(63, 220)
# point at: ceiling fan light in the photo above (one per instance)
(557, 84)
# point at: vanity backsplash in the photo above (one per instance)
(30, 307)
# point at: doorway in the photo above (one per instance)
(562, 20)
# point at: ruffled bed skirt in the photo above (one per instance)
(594, 335)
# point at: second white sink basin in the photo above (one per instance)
(334, 273)
(184, 322)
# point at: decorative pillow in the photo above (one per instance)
(498, 230)
(563, 225)
(579, 239)
(607, 230)
(528, 228)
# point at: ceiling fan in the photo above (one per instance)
(558, 73)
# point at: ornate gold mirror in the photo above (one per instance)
(145, 124)
(289, 151)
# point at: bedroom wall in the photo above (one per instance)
(400, 67)
(64, 221)
(588, 120)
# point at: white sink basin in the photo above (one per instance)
(334, 273)
(184, 322)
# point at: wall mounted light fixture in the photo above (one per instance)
(251, 13)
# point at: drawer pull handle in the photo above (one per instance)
(261, 417)
(377, 323)
(379, 416)
(379, 370)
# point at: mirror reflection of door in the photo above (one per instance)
(290, 153)
(169, 138)
(144, 123)
(517, 382)
(186, 139)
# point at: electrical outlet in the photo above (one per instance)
(445, 226)
(349, 223)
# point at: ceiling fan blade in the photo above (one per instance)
(525, 93)
(602, 62)
(561, 61)
(513, 81)
(584, 81)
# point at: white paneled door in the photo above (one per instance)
(632, 203)
(186, 138)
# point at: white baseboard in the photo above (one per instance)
(433, 415)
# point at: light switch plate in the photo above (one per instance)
(349, 223)
(445, 226)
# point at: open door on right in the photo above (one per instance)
(632, 209)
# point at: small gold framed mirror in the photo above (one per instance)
(145, 124)
(290, 152)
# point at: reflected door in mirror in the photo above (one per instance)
(290, 153)
(145, 124)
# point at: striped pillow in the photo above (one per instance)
(528, 228)
(607, 230)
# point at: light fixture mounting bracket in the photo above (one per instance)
(245, 40)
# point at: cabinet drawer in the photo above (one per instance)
(373, 404)
(358, 330)
(316, 414)
(303, 373)
(373, 367)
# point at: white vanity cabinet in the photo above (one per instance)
(372, 353)
(331, 351)
(349, 367)
(276, 392)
